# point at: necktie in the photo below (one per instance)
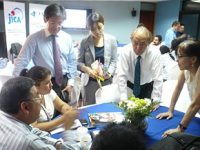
(136, 87)
(57, 63)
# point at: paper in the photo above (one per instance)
(60, 128)
(106, 117)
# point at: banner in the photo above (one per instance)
(36, 21)
(15, 23)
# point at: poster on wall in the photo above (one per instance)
(36, 21)
(15, 23)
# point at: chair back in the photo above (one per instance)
(3, 79)
(108, 93)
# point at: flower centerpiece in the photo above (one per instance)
(136, 110)
(101, 72)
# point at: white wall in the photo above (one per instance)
(166, 13)
(118, 19)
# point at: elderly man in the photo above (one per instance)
(19, 107)
(141, 67)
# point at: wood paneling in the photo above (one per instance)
(147, 18)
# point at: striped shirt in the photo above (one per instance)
(16, 135)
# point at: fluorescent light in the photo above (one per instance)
(198, 1)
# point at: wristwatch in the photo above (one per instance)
(183, 128)
(58, 145)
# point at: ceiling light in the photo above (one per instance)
(198, 1)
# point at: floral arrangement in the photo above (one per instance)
(136, 110)
(100, 71)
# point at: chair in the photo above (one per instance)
(3, 79)
(75, 94)
(183, 100)
(108, 93)
(14, 50)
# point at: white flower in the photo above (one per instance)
(131, 105)
(148, 101)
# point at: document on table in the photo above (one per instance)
(61, 128)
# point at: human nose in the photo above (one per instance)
(51, 84)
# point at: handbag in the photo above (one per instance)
(178, 141)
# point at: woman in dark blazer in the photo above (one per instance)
(96, 46)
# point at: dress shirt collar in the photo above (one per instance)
(48, 34)
(143, 54)
(19, 121)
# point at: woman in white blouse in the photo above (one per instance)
(51, 101)
(188, 57)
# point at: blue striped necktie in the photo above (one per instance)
(57, 63)
(136, 86)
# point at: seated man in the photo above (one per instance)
(118, 137)
(20, 106)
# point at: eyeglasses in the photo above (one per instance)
(37, 99)
(181, 56)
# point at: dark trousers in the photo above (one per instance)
(145, 89)
(58, 89)
(91, 88)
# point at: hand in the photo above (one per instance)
(156, 107)
(166, 133)
(167, 115)
(107, 76)
(91, 73)
(69, 117)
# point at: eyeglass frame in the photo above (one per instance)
(181, 56)
(37, 99)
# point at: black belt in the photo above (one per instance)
(146, 89)
(130, 84)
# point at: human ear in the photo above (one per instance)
(45, 20)
(194, 60)
(25, 107)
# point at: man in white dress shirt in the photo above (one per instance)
(151, 79)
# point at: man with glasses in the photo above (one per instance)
(140, 68)
(19, 107)
(43, 46)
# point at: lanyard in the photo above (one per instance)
(45, 111)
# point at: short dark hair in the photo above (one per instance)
(190, 48)
(159, 37)
(37, 73)
(13, 92)
(175, 23)
(164, 49)
(54, 10)
(177, 41)
(93, 18)
(118, 137)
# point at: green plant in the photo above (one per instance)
(137, 109)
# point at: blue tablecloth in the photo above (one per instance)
(155, 127)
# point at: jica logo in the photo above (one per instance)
(15, 16)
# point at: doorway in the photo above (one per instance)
(147, 18)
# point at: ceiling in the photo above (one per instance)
(152, 1)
